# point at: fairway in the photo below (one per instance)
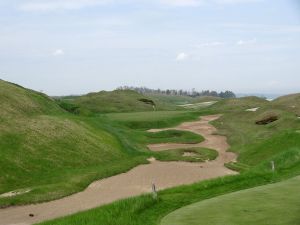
(273, 204)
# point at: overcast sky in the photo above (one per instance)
(78, 46)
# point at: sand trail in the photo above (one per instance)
(134, 182)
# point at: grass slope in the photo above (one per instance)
(148, 120)
(255, 143)
(289, 102)
(192, 155)
(50, 152)
(54, 153)
(117, 101)
(278, 204)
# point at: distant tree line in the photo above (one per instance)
(191, 93)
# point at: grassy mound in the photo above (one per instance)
(18, 101)
(234, 104)
(116, 101)
(174, 136)
(188, 155)
(244, 208)
(147, 120)
(289, 102)
(51, 152)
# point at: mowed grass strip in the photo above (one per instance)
(276, 204)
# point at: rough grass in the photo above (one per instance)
(290, 103)
(147, 120)
(193, 155)
(171, 136)
(117, 101)
(280, 206)
(255, 143)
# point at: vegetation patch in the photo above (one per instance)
(187, 155)
(155, 119)
(174, 136)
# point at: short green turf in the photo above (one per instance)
(148, 120)
(171, 136)
(273, 204)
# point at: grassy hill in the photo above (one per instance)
(53, 153)
(234, 104)
(289, 102)
(255, 143)
(118, 101)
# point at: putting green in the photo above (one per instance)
(274, 204)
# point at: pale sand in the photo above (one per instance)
(134, 182)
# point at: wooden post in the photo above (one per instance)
(154, 192)
(273, 165)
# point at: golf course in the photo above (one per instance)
(75, 160)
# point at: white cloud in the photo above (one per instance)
(210, 44)
(182, 56)
(247, 42)
(47, 5)
(58, 52)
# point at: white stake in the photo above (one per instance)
(273, 165)
(154, 192)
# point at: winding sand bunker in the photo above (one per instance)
(134, 182)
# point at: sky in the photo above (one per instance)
(66, 47)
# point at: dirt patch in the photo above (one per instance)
(267, 120)
(134, 182)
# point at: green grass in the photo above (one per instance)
(256, 145)
(270, 204)
(51, 152)
(148, 120)
(116, 101)
(149, 211)
(55, 153)
(173, 136)
(290, 103)
(195, 155)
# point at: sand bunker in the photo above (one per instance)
(190, 154)
(14, 193)
(134, 182)
(252, 110)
